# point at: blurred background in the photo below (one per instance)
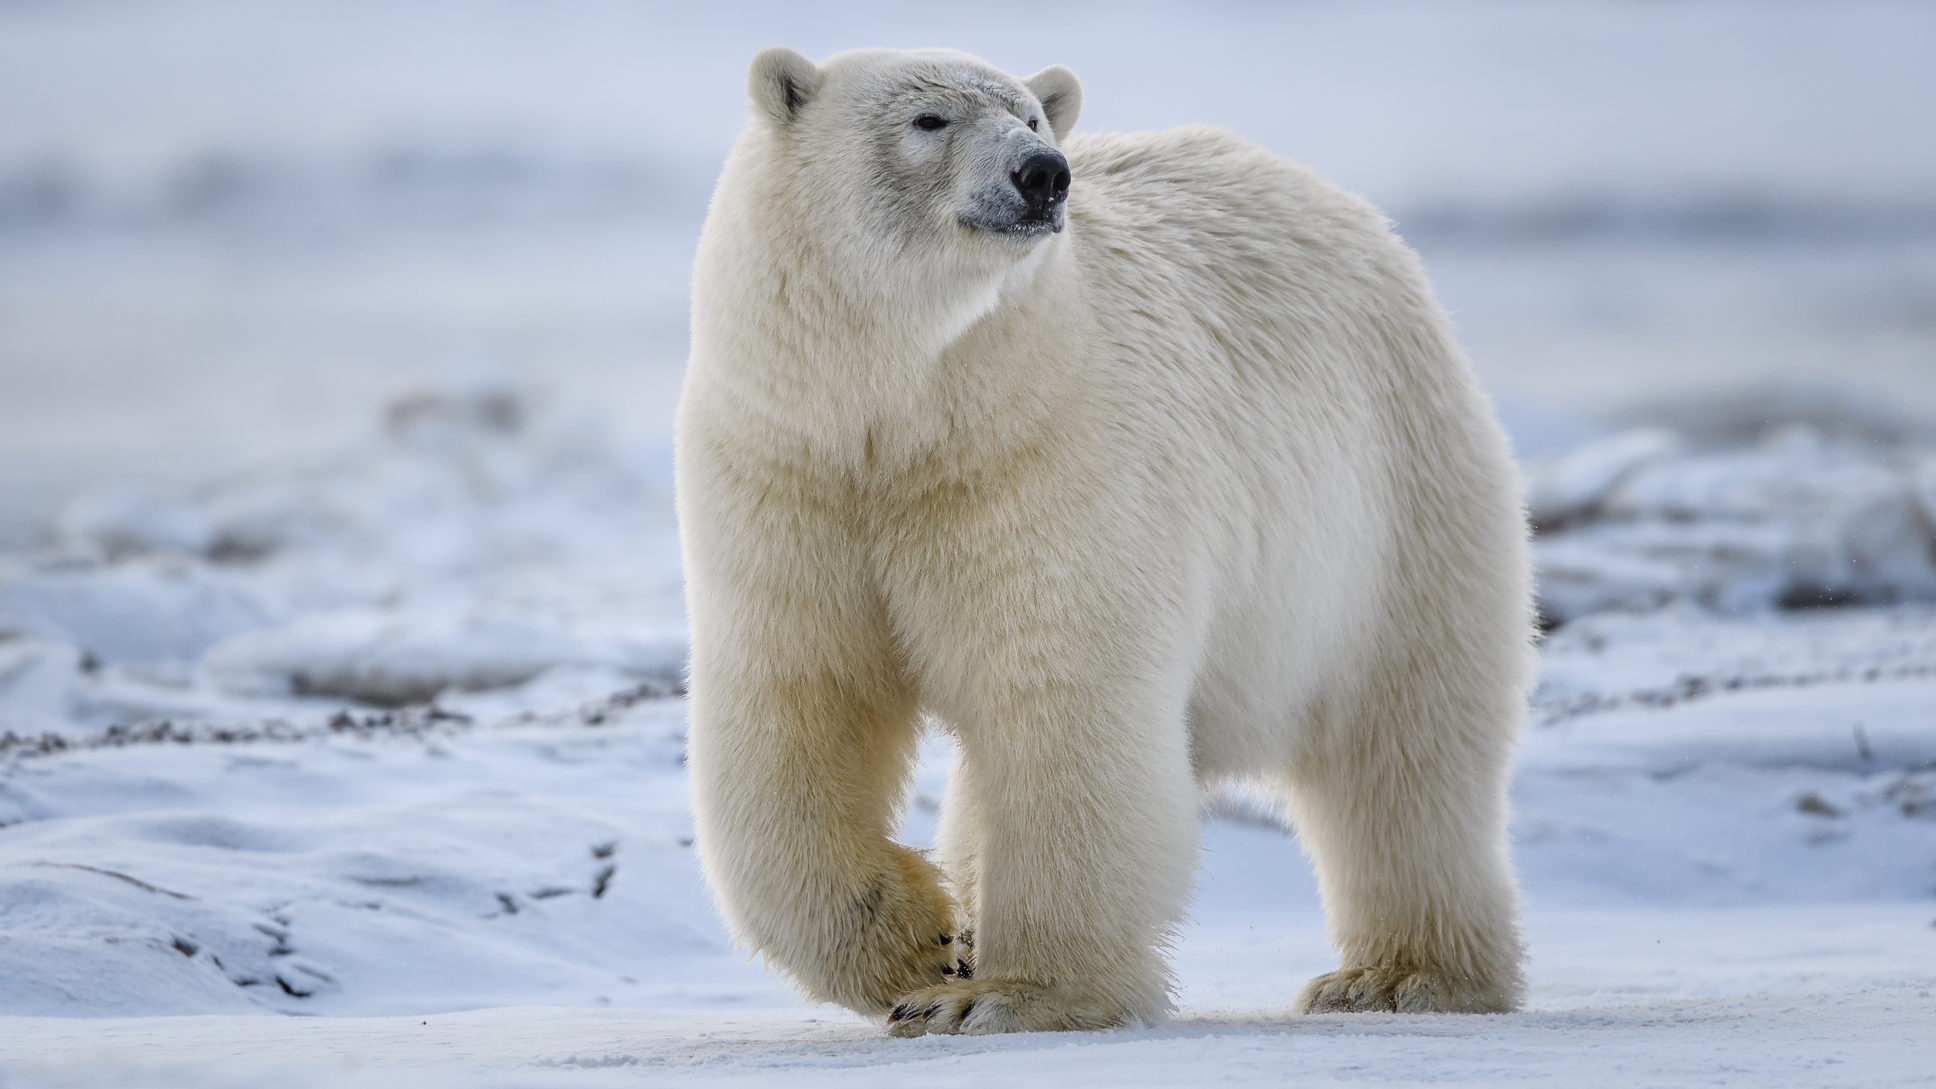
(232, 231)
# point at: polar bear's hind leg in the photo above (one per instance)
(1402, 808)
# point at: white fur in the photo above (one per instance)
(1197, 489)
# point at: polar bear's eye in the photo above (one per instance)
(1032, 123)
(928, 122)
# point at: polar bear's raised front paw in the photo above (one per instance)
(904, 939)
(1391, 989)
(978, 1006)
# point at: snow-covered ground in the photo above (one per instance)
(340, 631)
(1726, 832)
(393, 737)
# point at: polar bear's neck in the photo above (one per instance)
(838, 298)
(939, 318)
(887, 355)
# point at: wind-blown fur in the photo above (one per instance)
(1197, 489)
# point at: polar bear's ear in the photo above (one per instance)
(780, 82)
(1060, 94)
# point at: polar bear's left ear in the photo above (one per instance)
(781, 81)
(1060, 94)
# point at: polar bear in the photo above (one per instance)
(1134, 462)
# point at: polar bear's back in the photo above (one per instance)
(1230, 273)
(1233, 285)
(1198, 214)
(1227, 277)
(1204, 178)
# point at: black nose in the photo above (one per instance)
(1043, 179)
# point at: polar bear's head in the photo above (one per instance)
(929, 155)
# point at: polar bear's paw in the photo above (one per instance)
(981, 1006)
(1393, 989)
(906, 938)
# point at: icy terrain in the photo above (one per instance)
(397, 734)
(340, 630)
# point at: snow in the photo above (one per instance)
(472, 542)
(433, 781)
(1792, 518)
(1807, 1037)
(447, 879)
(340, 624)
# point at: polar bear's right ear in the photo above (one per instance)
(1060, 94)
(780, 82)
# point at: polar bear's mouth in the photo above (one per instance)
(1027, 225)
(1045, 223)
(1032, 227)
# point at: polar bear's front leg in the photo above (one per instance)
(1083, 857)
(795, 778)
(802, 730)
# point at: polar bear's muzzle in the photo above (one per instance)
(1034, 203)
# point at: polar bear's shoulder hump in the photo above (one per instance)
(1208, 179)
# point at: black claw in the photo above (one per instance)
(965, 1011)
(963, 970)
(897, 1013)
(933, 1008)
(943, 939)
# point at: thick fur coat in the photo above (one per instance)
(1176, 480)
